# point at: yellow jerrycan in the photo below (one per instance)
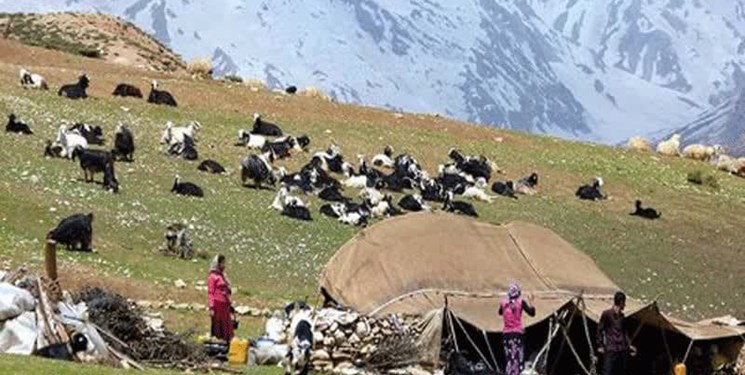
(680, 369)
(238, 351)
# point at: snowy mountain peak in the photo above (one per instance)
(595, 70)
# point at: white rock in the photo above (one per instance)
(180, 284)
(242, 310)
(362, 329)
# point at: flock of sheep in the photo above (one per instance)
(461, 176)
(712, 154)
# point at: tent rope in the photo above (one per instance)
(593, 357)
(688, 351)
(452, 331)
(667, 347)
(491, 352)
(553, 330)
(468, 337)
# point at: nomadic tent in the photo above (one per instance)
(421, 263)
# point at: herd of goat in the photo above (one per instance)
(462, 176)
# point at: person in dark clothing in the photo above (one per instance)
(612, 341)
(511, 308)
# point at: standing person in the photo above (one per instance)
(511, 308)
(218, 295)
(612, 340)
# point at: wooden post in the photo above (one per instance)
(50, 259)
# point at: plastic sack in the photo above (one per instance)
(14, 301)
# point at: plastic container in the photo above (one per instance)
(238, 352)
(680, 369)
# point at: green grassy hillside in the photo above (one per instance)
(692, 259)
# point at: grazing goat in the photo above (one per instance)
(14, 126)
(32, 81)
(186, 188)
(413, 203)
(178, 241)
(262, 127)
(647, 213)
(125, 90)
(258, 168)
(124, 143)
(458, 207)
(75, 231)
(253, 141)
(505, 189)
(670, 147)
(211, 166)
(591, 192)
(97, 161)
(77, 90)
(160, 96)
(92, 134)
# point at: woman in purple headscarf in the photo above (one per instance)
(511, 308)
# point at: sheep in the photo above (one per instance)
(14, 126)
(458, 207)
(505, 189)
(639, 144)
(670, 147)
(384, 160)
(177, 240)
(70, 141)
(124, 145)
(262, 127)
(283, 198)
(77, 90)
(253, 141)
(92, 134)
(32, 81)
(259, 169)
(160, 96)
(477, 193)
(186, 188)
(647, 213)
(75, 231)
(175, 134)
(591, 192)
(527, 185)
(701, 152)
(97, 161)
(296, 211)
(211, 166)
(413, 203)
(125, 90)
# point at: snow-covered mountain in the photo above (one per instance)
(599, 70)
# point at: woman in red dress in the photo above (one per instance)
(218, 295)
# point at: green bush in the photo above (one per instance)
(233, 78)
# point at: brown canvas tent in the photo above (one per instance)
(418, 263)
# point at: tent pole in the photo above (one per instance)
(688, 351)
(491, 352)
(667, 347)
(468, 337)
(593, 357)
(452, 330)
(564, 341)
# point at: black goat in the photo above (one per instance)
(296, 211)
(186, 188)
(647, 213)
(160, 96)
(75, 231)
(458, 207)
(97, 161)
(591, 192)
(92, 134)
(14, 126)
(124, 90)
(211, 166)
(77, 90)
(264, 127)
(124, 143)
(506, 189)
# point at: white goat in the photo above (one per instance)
(70, 141)
(175, 134)
(32, 81)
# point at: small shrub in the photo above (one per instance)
(233, 78)
(200, 68)
(698, 177)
